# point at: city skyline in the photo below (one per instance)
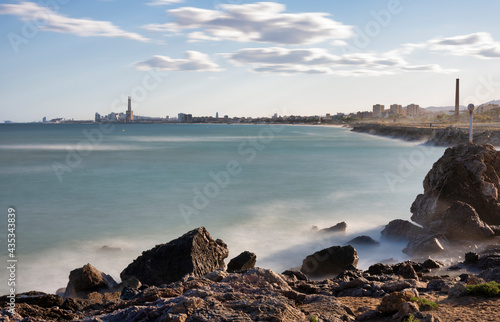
(244, 58)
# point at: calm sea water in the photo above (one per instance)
(260, 188)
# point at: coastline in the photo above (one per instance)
(430, 135)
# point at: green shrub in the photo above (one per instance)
(411, 318)
(314, 319)
(424, 304)
(490, 289)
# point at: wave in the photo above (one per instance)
(85, 146)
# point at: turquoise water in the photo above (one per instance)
(260, 188)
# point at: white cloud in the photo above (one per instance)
(195, 61)
(163, 2)
(320, 61)
(259, 22)
(46, 19)
(479, 45)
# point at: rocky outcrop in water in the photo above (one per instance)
(399, 230)
(195, 253)
(460, 199)
(330, 261)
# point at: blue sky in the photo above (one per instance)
(72, 58)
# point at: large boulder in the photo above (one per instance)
(330, 261)
(245, 260)
(460, 198)
(86, 280)
(194, 253)
(399, 229)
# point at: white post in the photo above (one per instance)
(471, 109)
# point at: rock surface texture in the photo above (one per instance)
(460, 199)
(330, 261)
(195, 253)
(86, 280)
(245, 260)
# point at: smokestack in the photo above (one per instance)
(457, 100)
(130, 102)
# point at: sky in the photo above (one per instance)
(73, 58)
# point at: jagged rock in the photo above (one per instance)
(193, 253)
(245, 260)
(330, 261)
(391, 303)
(399, 229)
(88, 279)
(471, 258)
(297, 274)
(363, 241)
(379, 269)
(460, 198)
(424, 245)
(34, 298)
(338, 228)
(406, 270)
(216, 276)
(430, 264)
(457, 290)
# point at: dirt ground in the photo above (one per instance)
(468, 308)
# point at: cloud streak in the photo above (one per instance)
(194, 61)
(48, 20)
(164, 2)
(321, 61)
(480, 45)
(263, 22)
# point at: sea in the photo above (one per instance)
(104, 193)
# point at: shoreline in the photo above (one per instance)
(435, 136)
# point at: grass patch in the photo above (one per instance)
(490, 289)
(424, 304)
(411, 318)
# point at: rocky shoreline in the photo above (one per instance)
(435, 136)
(186, 279)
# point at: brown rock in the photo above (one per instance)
(330, 261)
(245, 260)
(460, 198)
(194, 253)
(401, 230)
(391, 303)
(88, 279)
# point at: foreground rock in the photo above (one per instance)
(195, 253)
(330, 261)
(460, 199)
(86, 280)
(263, 295)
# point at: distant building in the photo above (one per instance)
(396, 109)
(378, 110)
(44, 120)
(184, 118)
(130, 114)
(487, 107)
(97, 117)
(413, 110)
(217, 115)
